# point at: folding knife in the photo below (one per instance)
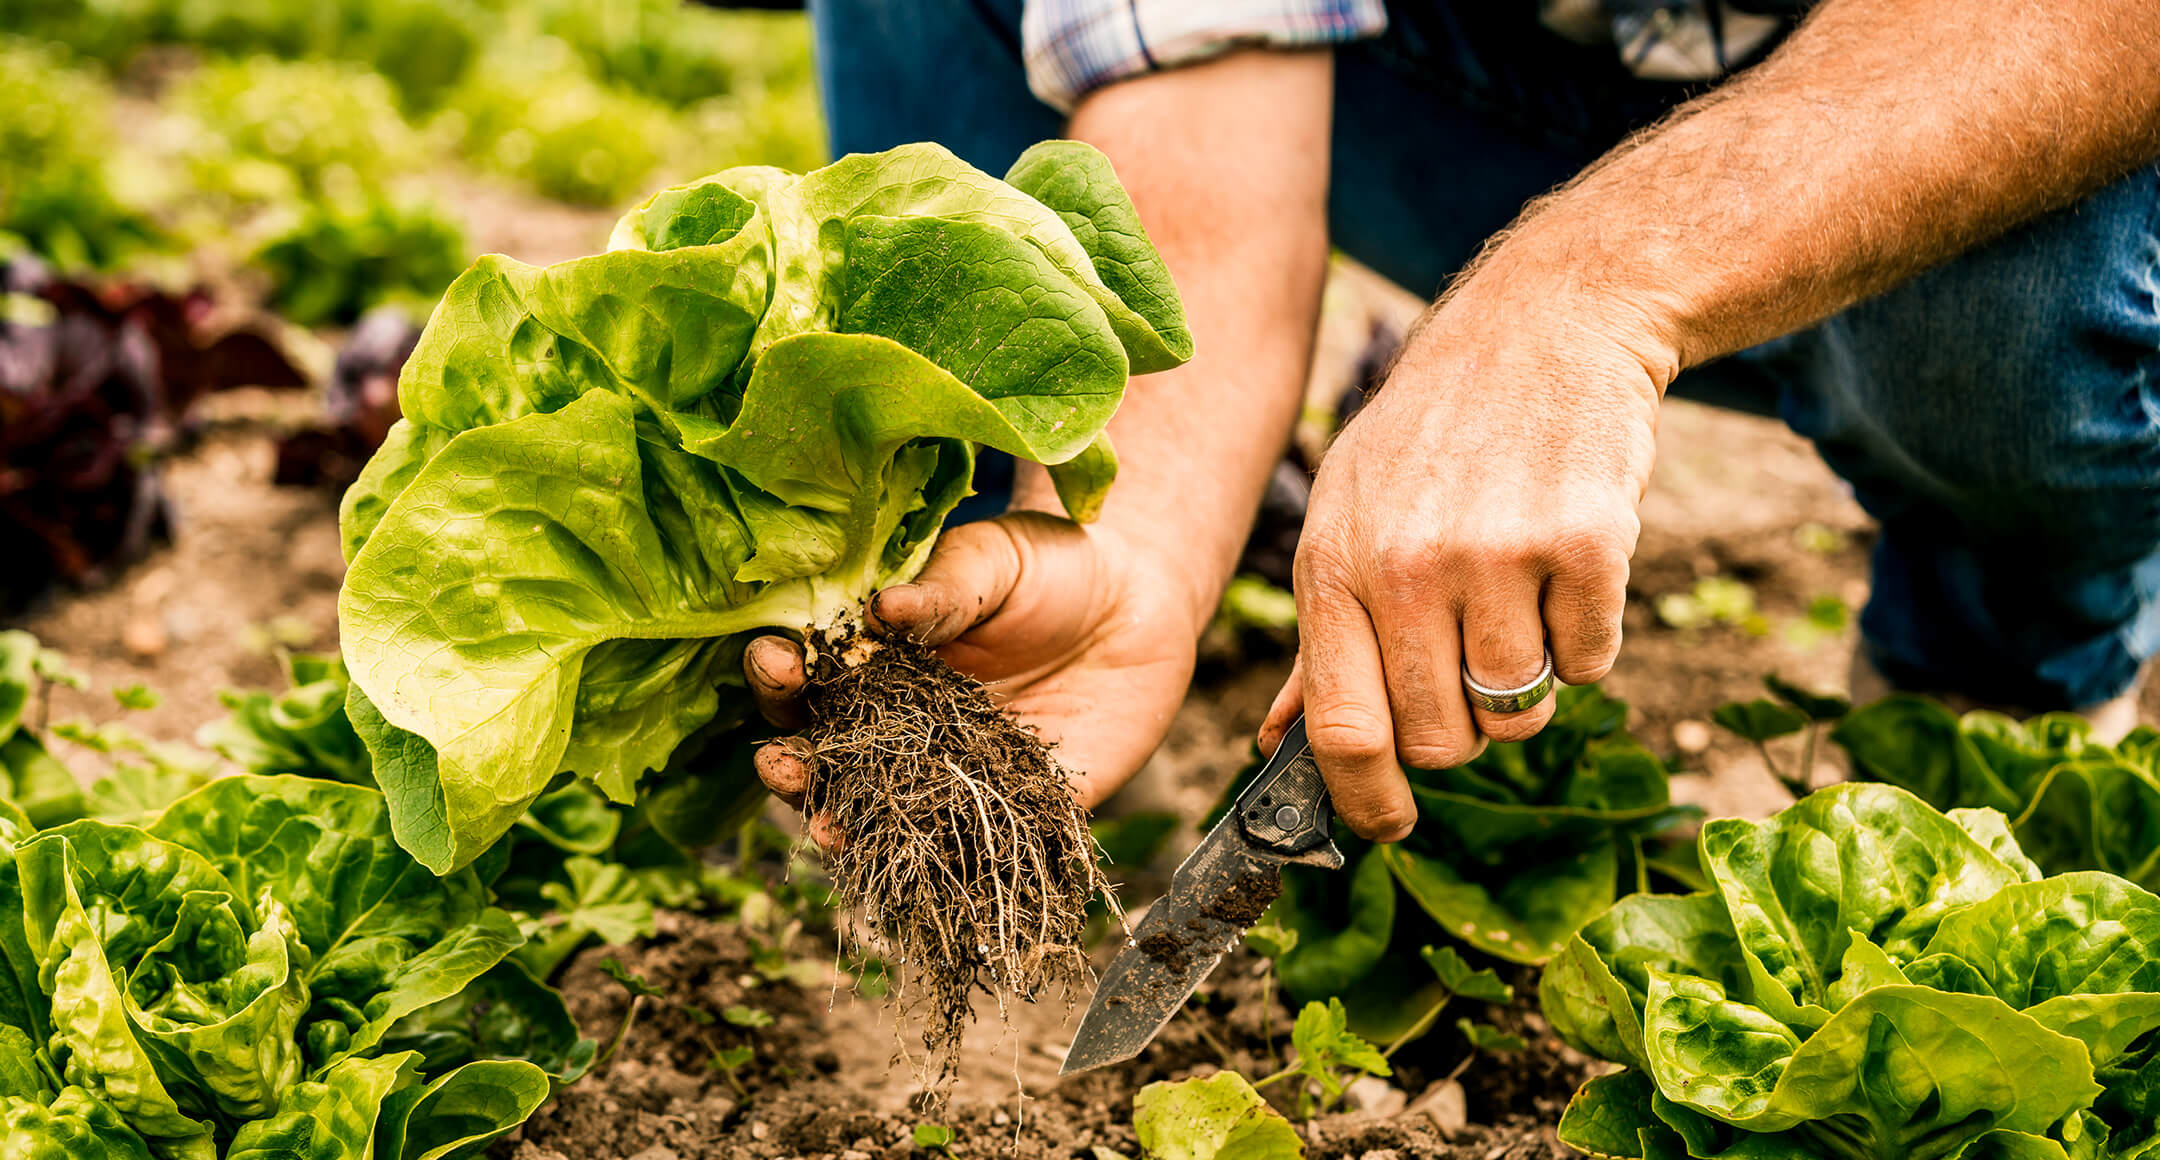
(1284, 816)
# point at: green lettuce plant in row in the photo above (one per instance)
(2073, 802)
(757, 408)
(260, 973)
(1868, 978)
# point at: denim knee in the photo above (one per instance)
(949, 71)
(1999, 417)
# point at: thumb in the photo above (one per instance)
(970, 573)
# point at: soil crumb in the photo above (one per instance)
(1246, 900)
(1166, 948)
(962, 847)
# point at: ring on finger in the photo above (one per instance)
(1515, 700)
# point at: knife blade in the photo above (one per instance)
(1284, 816)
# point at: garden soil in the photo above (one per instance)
(806, 1096)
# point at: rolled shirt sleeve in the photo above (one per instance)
(1075, 46)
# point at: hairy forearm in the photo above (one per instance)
(1227, 164)
(1885, 137)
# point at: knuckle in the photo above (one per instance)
(1583, 670)
(1516, 727)
(1318, 565)
(1382, 821)
(1402, 566)
(1346, 733)
(1499, 656)
(1592, 548)
(1433, 755)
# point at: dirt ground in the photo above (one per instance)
(824, 1083)
(256, 570)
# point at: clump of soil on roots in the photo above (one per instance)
(961, 846)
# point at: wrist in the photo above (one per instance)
(1576, 279)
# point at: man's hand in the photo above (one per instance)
(1067, 625)
(1481, 506)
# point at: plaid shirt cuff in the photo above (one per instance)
(1075, 46)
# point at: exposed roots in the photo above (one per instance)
(961, 845)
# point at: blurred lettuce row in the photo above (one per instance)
(1868, 978)
(1512, 852)
(673, 52)
(299, 162)
(532, 110)
(310, 163)
(2073, 802)
(62, 171)
(589, 103)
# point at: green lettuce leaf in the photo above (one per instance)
(504, 1014)
(74, 1125)
(1219, 1117)
(753, 412)
(303, 730)
(220, 983)
(384, 937)
(2073, 803)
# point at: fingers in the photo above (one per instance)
(784, 767)
(1583, 603)
(1503, 636)
(1347, 719)
(773, 665)
(970, 573)
(1421, 652)
(1289, 702)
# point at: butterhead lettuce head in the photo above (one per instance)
(1868, 979)
(754, 410)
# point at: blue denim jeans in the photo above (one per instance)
(1999, 416)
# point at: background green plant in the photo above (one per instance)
(274, 115)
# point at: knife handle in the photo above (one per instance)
(1287, 808)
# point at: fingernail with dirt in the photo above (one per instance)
(893, 604)
(763, 659)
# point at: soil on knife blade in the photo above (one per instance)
(805, 1100)
(961, 844)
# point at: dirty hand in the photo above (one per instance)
(1479, 509)
(1065, 623)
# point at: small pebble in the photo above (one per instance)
(1690, 736)
(143, 634)
(758, 1130)
(1445, 1105)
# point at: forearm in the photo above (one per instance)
(1883, 138)
(1227, 163)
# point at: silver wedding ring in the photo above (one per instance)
(1510, 700)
